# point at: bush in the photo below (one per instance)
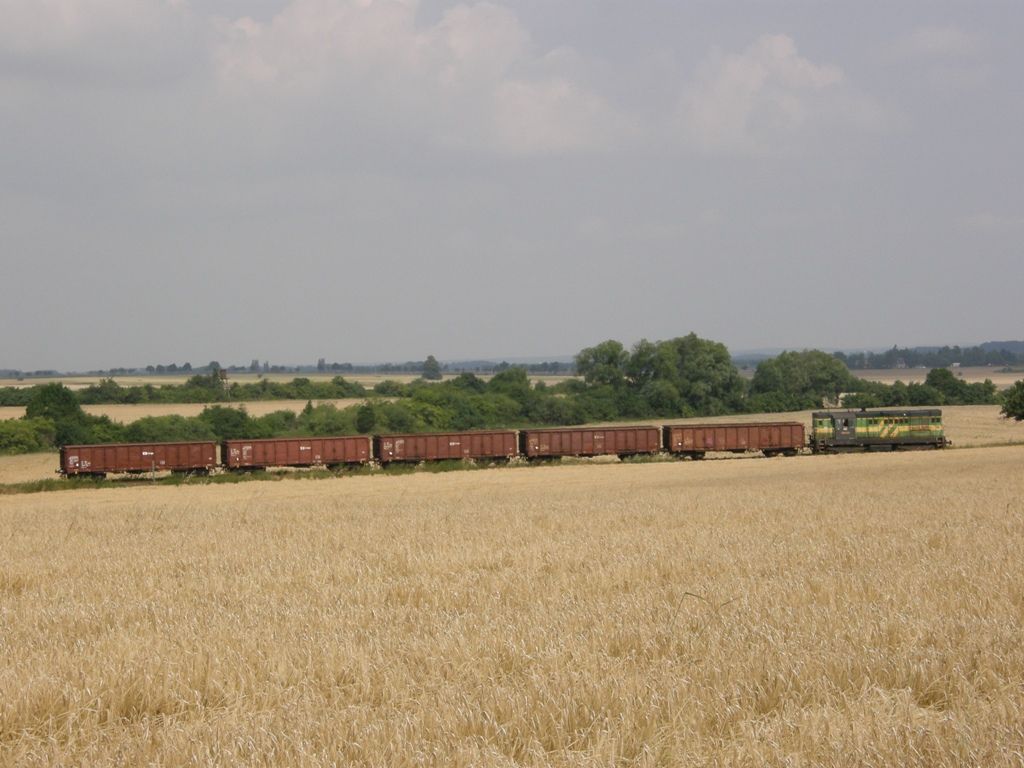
(325, 419)
(228, 423)
(391, 388)
(957, 391)
(26, 435)
(366, 417)
(72, 425)
(168, 429)
(278, 423)
(55, 402)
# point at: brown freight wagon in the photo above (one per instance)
(771, 438)
(589, 441)
(438, 446)
(295, 452)
(98, 460)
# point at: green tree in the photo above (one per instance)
(366, 418)
(170, 428)
(944, 381)
(229, 423)
(470, 383)
(55, 402)
(662, 398)
(799, 380)
(431, 369)
(512, 382)
(1013, 402)
(956, 391)
(603, 364)
(26, 435)
(923, 394)
(106, 391)
(704, 375)
(650, 362)
(59, 405)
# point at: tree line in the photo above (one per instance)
(940, 357)
(201, 388)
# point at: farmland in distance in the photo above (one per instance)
(368, 380)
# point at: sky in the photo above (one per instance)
(375, 180)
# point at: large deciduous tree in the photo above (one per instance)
(604, 364)
(431, 369)
(1013, 402)
(797, 380)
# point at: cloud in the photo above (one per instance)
(760, 99)
(470, 80)
(549, 116)
(324, 75)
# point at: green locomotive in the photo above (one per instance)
(865, 430)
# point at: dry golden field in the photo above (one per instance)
(846, 610)
(28, 467)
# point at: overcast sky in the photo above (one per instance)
(368, 180)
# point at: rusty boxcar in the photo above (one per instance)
(589, 441)
(98, 460)
(438, 446)
(771, 438)
(295, 452)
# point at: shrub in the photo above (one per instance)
(26, 435)
(391, 388)
(366, 417)
(228, 423)
(168, 429)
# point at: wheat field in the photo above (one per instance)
(842, 610)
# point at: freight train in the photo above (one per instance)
(831, 431)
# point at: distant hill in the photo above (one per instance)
(1016, 347)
